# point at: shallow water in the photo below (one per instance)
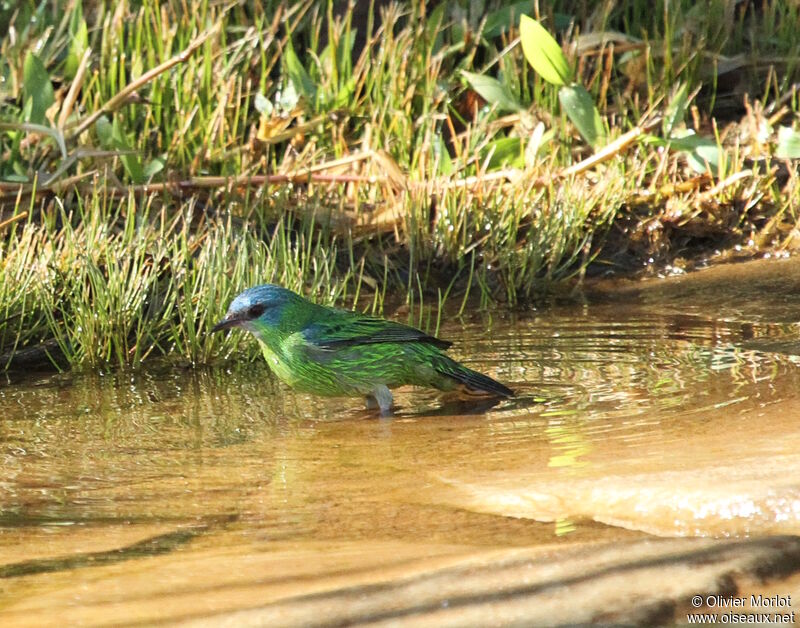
(667, 409)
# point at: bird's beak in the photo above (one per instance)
(225, 323)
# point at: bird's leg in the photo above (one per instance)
(380, 397)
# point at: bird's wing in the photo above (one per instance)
(347, 330)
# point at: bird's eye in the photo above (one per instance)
(254, 311)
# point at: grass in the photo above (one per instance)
(155, 160)
(117, 281)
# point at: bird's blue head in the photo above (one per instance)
(265, 303)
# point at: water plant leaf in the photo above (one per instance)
(300, 79)
(537, 141)
(112, 137)
(442, 156)
(38, 128)
(579, 106)
(78, 40)
(586, 42)
(344, 54)
(788, 143)
(543, 52)
(345, 94)
(37, 88)
(335, 58)
(703, 154)
(154, 167)
(130, 161)
(262, 104)
(104, 132)
(689, 142)
(16, 178)
(676, 110)
(497, 22)
(705, 158)
(433, 26)
(493, 91)
(503, 152)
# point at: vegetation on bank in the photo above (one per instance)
(157, 157)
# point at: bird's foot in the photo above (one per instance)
(380, 399)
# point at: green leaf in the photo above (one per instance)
(703, 154)
(345, 94)
(344, 54)
(504, 152)
(705, 159)
(579, 106)
(654, 140)
(493, 91)
(788, 143)
(433, 26)
(300, 79)
(112, 138)
(78, 41)
(543, 52)
(497, 22)
(37, 88)
(154, 167)
(130, 161)
(104, 132)
(689, 142)
(441, 153)
(676, 110)
(16, 178)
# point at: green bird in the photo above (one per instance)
(331, 352)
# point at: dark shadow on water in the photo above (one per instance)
(149, 547)
(153, 546)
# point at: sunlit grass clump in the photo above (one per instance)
(156, 157)
(115, 281)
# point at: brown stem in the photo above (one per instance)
(121, 97)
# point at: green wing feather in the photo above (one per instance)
(344, 329)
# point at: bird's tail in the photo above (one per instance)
(473, 383)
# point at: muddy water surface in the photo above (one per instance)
(649, 412)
